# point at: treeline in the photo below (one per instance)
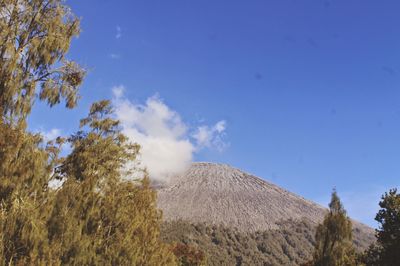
(292, 244)
(333, 243)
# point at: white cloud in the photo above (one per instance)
(118, 35)
(118, 92)
(220, 126)
(167, 146)
(52, 134)
(211, 137)
(115, 56)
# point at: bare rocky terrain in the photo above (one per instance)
(222, 195)
(240, 219)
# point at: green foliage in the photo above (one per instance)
(386, 252)
(25, 169)
(188, 255)
(333, 239)
(98, 217)
(101, 215)
(34, 37)
(291, 245)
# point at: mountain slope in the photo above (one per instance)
(222, 195)
(240, 219)
(290, 245)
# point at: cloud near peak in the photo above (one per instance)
(167, 143)
(211, 137)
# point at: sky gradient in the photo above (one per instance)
(309, 91)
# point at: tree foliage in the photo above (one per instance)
(100, 218)
(101, 214)
(188, 255)
(35, 35)
(292, 244)
(386, 251)
(24, 174)
(333, 238)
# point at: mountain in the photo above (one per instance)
(229, 201)
(220, 194)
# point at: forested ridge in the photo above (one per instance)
(292, 244)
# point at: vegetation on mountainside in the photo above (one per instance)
(188, 255)
(292, 244)
(96, 217)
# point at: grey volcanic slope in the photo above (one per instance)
(218, 194)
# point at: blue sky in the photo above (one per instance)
(308, 91)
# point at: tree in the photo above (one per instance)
(25, 170)
(34, 38)
(386, 252)
(333, 238)
(98, 216)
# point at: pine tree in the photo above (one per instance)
(386, 252)
(333, 238)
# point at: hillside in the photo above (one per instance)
(290, 245)
(219, 194)
(256, 222)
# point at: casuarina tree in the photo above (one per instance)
(333, 238)
(386, 251)
(103, 213)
